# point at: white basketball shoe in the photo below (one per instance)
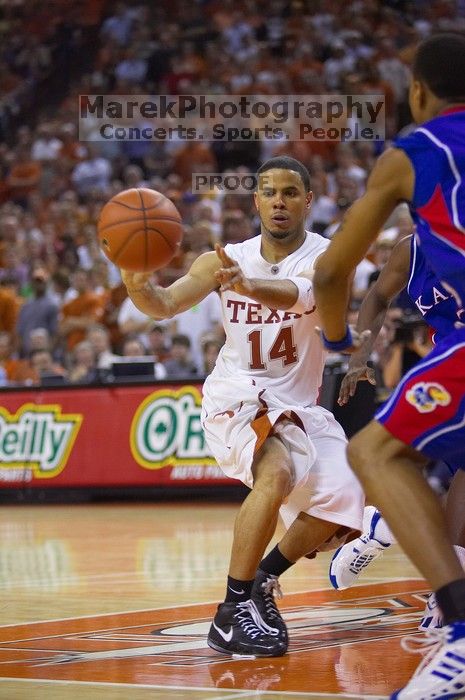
(352, 558)
(441, 674)
(432, 617)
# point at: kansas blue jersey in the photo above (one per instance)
(433, 301)
(437, 153)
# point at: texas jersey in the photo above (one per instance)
(437, 153)
(434, 302)
(279, 350)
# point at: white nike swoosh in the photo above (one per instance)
(238, 592)
(226, 636)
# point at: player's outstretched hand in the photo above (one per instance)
(349, 382)
(135, 280)
(230, 275)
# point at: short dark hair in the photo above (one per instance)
(440, 63)
(287, 163)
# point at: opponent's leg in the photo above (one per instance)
(386, 468)
(455, 508)
(455, 518)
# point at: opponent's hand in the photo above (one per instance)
(230, 275)
(349, 382)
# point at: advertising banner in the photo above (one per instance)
(132, 435)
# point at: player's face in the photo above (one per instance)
(282, 204)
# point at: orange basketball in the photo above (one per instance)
(140, 230)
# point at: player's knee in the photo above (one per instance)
(275, 481)
(273, 471)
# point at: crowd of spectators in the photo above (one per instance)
(63, 308)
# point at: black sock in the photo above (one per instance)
(451, 600)
(275, 563)
(238, 591)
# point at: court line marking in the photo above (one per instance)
(188, 605)
(4, 644)
(237, 693)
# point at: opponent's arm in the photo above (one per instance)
(391, 181)
(159, 302)
(392, 279)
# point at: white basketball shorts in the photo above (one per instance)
(238, 416)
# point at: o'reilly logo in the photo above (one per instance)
(166, 429)
(39, 438)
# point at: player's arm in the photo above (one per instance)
(391, 181)
(276, 294)
(392, 279)
(160, 302)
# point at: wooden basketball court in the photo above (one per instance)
(114, 602)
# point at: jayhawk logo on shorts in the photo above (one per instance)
(426, 396)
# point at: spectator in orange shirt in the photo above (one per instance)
(85, 309)
(24, 176)
(8, 361)
(72, 151)
(194, 157)
(9, 309)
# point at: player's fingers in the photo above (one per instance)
(227, 284)
(227, 273)
(220, 253)
(223, 256)
(234, 278)
(236, 281)
(365, 337)
(343, 392)
(353, 381)
(134, 279)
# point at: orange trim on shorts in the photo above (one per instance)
(261, 425)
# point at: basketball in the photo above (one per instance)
(140, 230)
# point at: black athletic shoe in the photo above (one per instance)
(238, 629)
(265, 589)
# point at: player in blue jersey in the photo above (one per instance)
(406, 268)
(425, 417)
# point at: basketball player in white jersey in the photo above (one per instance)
(259, 409)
